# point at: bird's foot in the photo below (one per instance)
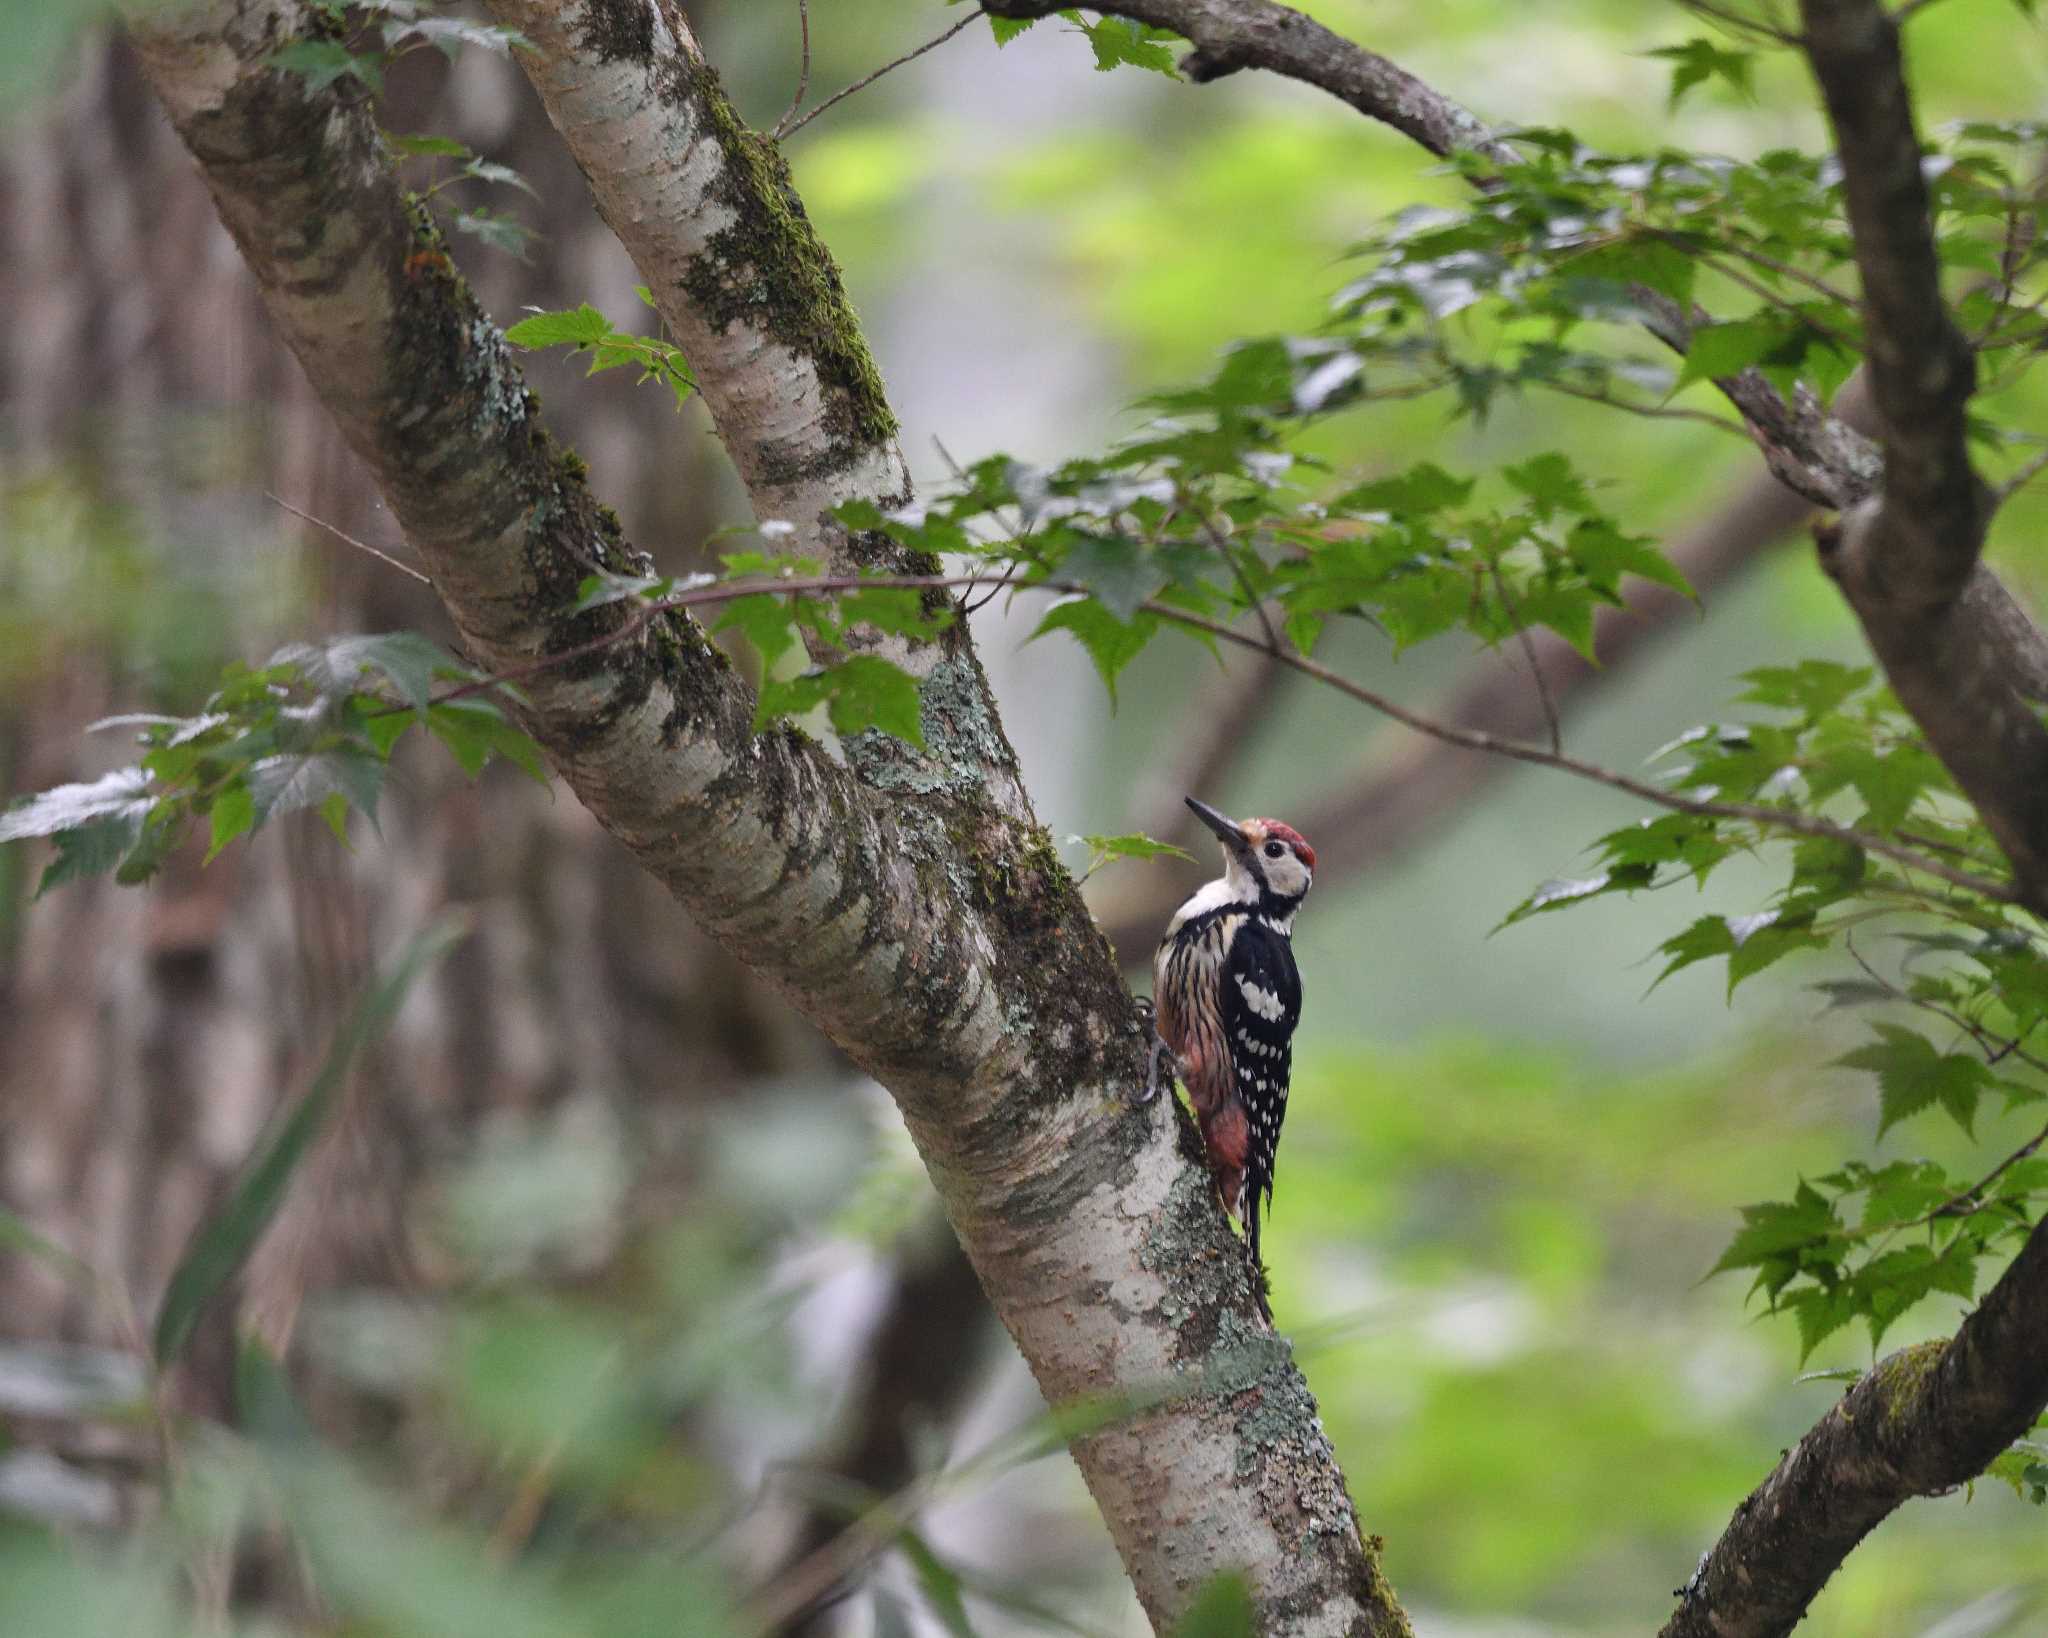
(1159, 1052)
(1262, 1286)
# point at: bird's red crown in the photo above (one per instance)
(1292, 837)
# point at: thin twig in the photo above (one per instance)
(1253, 601)
(803, 77)
(1500, 584)
(1009, 579)
(1994, 1047)
(1696, 246)
(1741, 24)
(348, 539)
(2018, 236)
(1935, 844)
(1994, 330)
(1654, 412)
(2020, 479)
(862, 84)
(1764, 293)
(1798, 824)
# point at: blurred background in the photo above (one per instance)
(615, 1270)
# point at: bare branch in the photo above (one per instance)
(791, 127)
(1651, 412)
(1921, 368)
(783, 126)
(348, 539)
(1229, 35)
(1961, 655)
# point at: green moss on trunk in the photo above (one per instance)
(769, 271)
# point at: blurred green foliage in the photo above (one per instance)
(1494, 1263)
(1493, 1252)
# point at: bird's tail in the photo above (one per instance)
(1261, 1287)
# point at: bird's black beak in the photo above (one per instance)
(1225, 828)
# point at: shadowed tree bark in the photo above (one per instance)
(905, 901)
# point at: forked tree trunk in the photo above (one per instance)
(145, 1036)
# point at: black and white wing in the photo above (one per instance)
(1261, 1005)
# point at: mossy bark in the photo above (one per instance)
(908, 903)
(1920, 1422)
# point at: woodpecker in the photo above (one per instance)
(1226, 997)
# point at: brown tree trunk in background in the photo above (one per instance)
(145, 1037)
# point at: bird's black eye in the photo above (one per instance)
(1274, 850)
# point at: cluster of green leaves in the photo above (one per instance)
(1837, 738)
(1116, 41)
(1207, 517)
(1862, 1242)
(779, 603)
(304, 730)
(586, 330)
(1567, 237)
(358, 40)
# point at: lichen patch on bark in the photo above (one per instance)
(768, 270)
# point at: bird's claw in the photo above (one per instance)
(1159, 1050)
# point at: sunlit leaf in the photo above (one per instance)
(120, 795)
(580, 327)
(1135, 845)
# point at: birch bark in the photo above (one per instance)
(908, 904)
